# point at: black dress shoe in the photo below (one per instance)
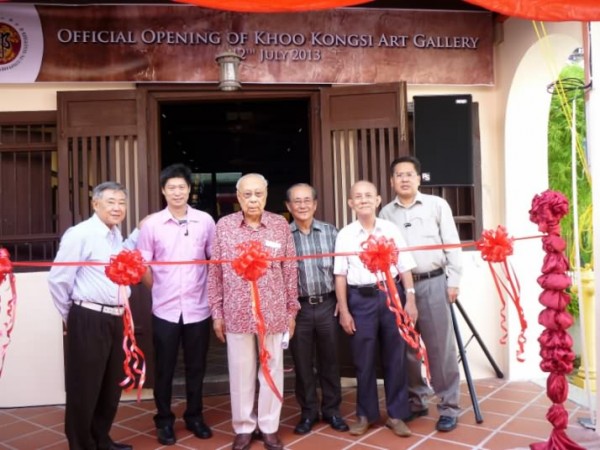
(416, 414)
(446, 423)
(305, 425)
(166, 435)
(200, 429)
(337, 423)
(120, 446)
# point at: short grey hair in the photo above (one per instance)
(108, 186)
(288, 193)
(248, 175)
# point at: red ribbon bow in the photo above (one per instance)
(496, 246)
(378, 254)
(125, 269)
(251, 264)
(6, 272)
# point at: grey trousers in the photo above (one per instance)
(435, 326)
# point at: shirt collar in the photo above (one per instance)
(165, 215)
(418, 199)
(315, 225)
(360, 231)
(101, 227)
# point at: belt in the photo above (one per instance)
(315, 299)
(113, 310)
(427, 275)
(369, 290)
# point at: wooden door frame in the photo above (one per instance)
(153, 95)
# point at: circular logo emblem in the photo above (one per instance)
(10, 44)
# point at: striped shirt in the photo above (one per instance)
(315, 275)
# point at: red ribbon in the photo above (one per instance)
(251, 264)
(496, 246)
(125, 269)
(6, 272)
(378, 255)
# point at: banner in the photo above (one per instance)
(179, 43)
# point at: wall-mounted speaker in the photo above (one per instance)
(443, 133)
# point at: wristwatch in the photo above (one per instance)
(410, 290)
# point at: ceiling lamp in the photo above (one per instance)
(272, 5)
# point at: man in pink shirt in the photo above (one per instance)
(180, 312)
(231, 305)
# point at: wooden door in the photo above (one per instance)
(101, 138)
(364, 128)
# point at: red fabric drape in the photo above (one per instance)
(272, 6)
(544, 10)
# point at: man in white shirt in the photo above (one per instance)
(365, 316)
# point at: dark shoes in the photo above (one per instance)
(120, 446)
(242, 441)
(272, 441)
(337, 423)
(305, 425)
(200, 429)
(416, 414)
(166, 435)
(446, 423)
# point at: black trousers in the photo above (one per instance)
(93, 373)
(376, 325)
(167, 336)
(317, 329)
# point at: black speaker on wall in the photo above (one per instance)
(443, 133)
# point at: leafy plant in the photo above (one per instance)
(567, 89)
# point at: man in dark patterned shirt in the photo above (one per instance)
(316, 324)
(229, 297)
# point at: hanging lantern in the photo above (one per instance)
(229, 63)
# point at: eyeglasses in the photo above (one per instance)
(368, 196)
(302, 201)
(247, 195)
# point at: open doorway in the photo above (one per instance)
(220, 141)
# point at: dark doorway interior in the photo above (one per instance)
(220, 141)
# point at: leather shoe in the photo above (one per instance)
(416, 414)
(200, 429)
(305, 425)
(337, 423)
(272, 441)
(120, 446)
(446, 423)
(359, 427)
(166, 435)
(398, 427)
(242, 441)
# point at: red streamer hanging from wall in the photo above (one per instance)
(555, 342)
(544, 10)
(273, 6)
(6, 272)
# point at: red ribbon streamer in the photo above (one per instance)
(125, 269)
(378, 255)
(251, 264)
(6, 272)
(496, 246)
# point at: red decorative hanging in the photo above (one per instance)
(544, 10)
(6, 273)
(125, 269)
(546, 211)
(273, 6)
(251, 264)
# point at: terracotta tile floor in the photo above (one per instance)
(513, 418)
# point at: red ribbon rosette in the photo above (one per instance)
(496, 246)
(378, 255)
(251, 264)
(6, 273)
(125, 269)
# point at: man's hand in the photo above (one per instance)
(411, 308)
(347, 322)
(292, 327)
(219, 327)
(452, 294)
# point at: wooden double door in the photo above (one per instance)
(354, 133)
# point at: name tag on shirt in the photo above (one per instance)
(273, 245)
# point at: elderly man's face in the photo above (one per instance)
(111, 207)
(252, 196)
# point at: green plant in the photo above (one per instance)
(567, 89)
